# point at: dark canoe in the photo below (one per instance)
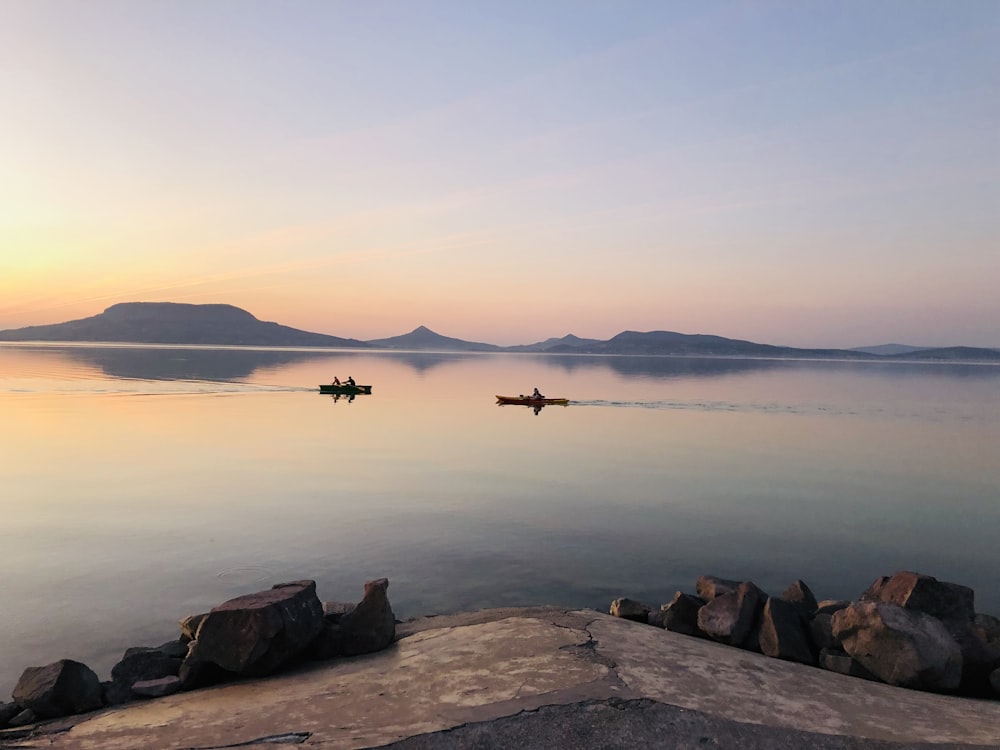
(345, 390)
(528, 401)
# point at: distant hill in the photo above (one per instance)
(423, 338)
(951, 354)
(569, 340)
(889, 349)
(222, 325)
(176, 323)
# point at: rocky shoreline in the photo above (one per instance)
(908, 630)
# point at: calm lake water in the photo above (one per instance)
(139, 485)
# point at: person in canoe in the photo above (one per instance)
(336, 380)
(349, 381)
(536, 394)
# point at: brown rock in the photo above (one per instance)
(922, 593)
(157, 688)
(710, 587)
(680, 614)
(62, 688)
(630, 609)
(783, 632)
(368, 627)
(258, 633)
(799, 594)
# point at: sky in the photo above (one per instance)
(796, 173)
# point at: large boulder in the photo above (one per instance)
(838, 661)
(258, 633)
(783, 632)
(987, 628)
(680, 614)
(362, 629)
(821, 632)
(900, 646)
(923, 593)
(62, 688)
(799, 594)
(710, 587)
(731, 617)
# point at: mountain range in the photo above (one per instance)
(226, 325)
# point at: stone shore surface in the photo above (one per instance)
(538, 677)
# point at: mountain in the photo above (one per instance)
(423, 338)
(889, 349)
(222, 325)
(569, 340)
(670, 342)
(176, 323)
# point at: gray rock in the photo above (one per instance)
(783, 632)
(987, 628)
(140, 664)
(680, 614)
(157, 688)
(799, 594)
(821, 632)
(62, 688)
(729, 618)
(630, 609)
(900, 646)
(7, 712)
(656, 618)
(368, 627)
(711, 587)
(838, 661)
(259, 633)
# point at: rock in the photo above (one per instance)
(829, 606)
(258, 633)
(838, 661)
(140, 664)
(157, 688)
(995, 682)
(729, 618)
(656, 617)
(821, 632)
(25, 717)
(629, 609)
(711, 587)
(801, 596)
(783, 632)
(59, 689)
(680, 614)
(190, 625)
(987, 628)
(922, 593)
(364, 629)
(7, 712)
(902, 647)
(979, 658)
(871, 594)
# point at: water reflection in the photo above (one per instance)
(237, 364)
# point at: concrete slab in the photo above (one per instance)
(494, 673)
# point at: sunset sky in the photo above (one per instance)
(801, 173)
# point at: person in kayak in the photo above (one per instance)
(536, 394)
